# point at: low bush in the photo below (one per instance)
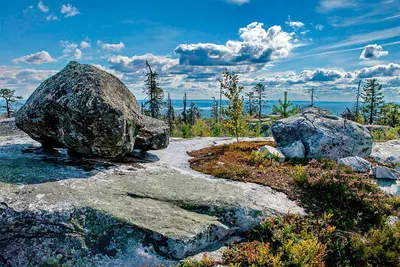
(385, 135)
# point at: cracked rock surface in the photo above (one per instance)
(323, 135)
(153, 211)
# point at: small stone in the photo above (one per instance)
(356, 163)
(272, 152)
(381, 172)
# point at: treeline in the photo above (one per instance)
(236, 118)
(370, 107)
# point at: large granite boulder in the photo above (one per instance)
(323, 135)
(90, 112)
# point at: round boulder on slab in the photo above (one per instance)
(323, 135)
(90, 112)
(356, 163)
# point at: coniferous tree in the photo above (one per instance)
(234, 111)
(260, 91)
(194, 113)
(214, 111)
(282, 109)
(170, 114)
(9, 96)
(390, 115)
(312, 96)
(184, 112)
(252, 105)
(372, 100)
(155, 95)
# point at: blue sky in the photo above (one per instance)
(287, 45)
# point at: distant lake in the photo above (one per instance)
(205, 106)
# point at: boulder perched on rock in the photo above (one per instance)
(90, 112)
(323, 135)
(382, 172)
(356, 163)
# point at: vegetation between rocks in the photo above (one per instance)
(348, 215)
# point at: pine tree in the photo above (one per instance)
(312, 96)
(282, 109)
(194, 113)
(155, 95)
(260, 91)
(184, 112)
(9, 96)
(170, 114)
(234, 111)
(214, 111)
(252, 104)
(372, 100)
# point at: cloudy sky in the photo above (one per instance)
(288, 45)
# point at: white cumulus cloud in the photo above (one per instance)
(294, 24)
(238, 2)
(111, 47)
(85, 44)
(69, 10)
(35, 59)
(42, 7)
(258, 45)
(77, 54)
(51, 17)
(373, 51)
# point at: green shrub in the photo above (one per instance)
(200, 129)
(231, 171)
(378, 247)
(298, 174)
(385, 135)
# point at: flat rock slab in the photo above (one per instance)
(153, 212)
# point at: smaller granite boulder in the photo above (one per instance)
(323, 135)
(295, 150)
(381, 172)
(386, 152)
(272, 152)
(356, 163)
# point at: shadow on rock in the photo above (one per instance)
(69, 237)
(27, 164)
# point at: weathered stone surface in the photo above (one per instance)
(272, 152)
(356, 163)
(382, 172)
(112, 214)
(386, 152)
(90, 112)
(295, 150)
(323, 135)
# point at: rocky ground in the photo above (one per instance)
(156, 210)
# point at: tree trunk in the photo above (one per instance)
(8, 109)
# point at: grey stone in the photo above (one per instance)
(272, 152)
(323, 135)
(356, 163)
(90, 112)
(386, 152)
(124, 214)
(381, 172)
(294, 150)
